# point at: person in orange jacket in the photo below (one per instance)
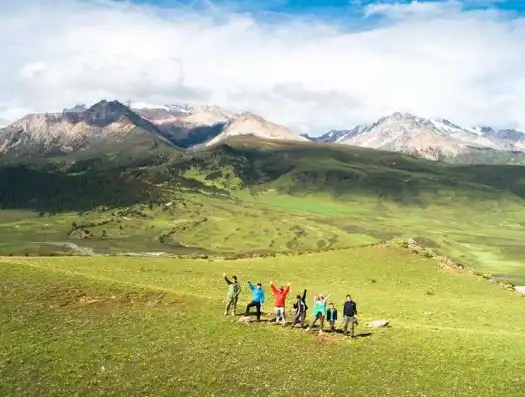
(280, 302)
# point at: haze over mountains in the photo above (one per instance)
(79, 128)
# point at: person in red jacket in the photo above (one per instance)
(280, 302)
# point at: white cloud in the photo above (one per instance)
(433, 59)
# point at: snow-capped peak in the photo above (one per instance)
(429, 138)
(168, 108)
(480, 129)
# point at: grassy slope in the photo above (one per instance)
(252, 195)
(192, 224)
(488, 156)
(116, 326)
(472, 213)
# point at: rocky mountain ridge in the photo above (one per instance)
(427, 138)
(79, 127)
(189, 125)
(198, 126)
(75, 129)
(250, 124)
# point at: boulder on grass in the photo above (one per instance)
(520, 289)
(378, 323)
(244, 320)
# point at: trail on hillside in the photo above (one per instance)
(73, 247)
(86, 251)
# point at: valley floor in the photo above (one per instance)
(482, 235)
(115, 326)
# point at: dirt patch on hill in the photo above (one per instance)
(324, 337)
(85, 300)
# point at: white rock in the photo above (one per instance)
(378, 323)
(244, 320)
(520, 289)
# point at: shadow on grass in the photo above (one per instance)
(269, 320)
(360, 335)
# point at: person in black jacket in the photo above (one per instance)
(331, 316)
(300, 309)
(349, 313)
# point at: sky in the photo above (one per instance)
(310, 65)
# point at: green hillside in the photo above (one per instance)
(317, 216)
(249, 195)
(143, 326)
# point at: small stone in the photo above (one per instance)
(520, 289)
(378, 323)
(244, 320)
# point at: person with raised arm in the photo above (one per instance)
(299, 312)
(234, 290)
(300, 308)
(280, 302)
(319, 311)
(257, 299)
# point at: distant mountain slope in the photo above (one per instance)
(306, 168)
(102, 125)
(4, 122)
(431, 139)
(251, 124)
(112, 126)
(189, 126)
(185, 126)
(256, 165)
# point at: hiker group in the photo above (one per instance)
(322, 310)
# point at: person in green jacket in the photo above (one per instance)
(234, 289)
(319, 311)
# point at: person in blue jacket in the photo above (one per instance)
(257, 299)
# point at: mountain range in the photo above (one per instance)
(77, 129)
(427, 138)
(111, 122)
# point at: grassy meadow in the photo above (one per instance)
(115, 326)
(79, 318)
